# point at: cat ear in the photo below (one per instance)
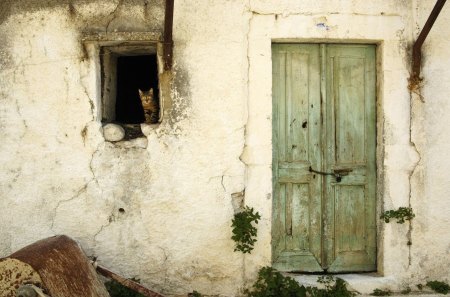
(141, 93)
(151, 91)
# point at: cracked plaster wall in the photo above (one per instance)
(431, 135)
(161, 211)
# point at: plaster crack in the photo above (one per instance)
(85, 90)
(58, 205)
(163, 269)
(410, 178)
(223, 186)
(288, 14)
(247, 118)
(24, 122)
(222, 180)
(84, 131)
(249, 11)
(30, 50)
(166, 272)
(163, 264)
(262, 13)
(91, 167)
(102, 227)
(113, 14)
(66, 82)
(415, 98)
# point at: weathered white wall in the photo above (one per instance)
(59, 175)
(431, 133)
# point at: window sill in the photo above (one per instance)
(141, 142)
(125, 135)
(148, 129)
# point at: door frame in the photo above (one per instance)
(397, 157)
(379, 140)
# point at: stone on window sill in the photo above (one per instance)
(113, 132)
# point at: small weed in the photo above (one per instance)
(333, 288)
(244, 232)
(402, 214)
(406, 291)
(327, 280)
(379, 292)
(420, 287)
(195, 294)
(116, 289)
(439, 287)
(271, 283)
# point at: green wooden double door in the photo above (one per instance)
(324, 147)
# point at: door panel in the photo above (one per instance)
(350, 204)
(324, 118)
(296, 117)
(347, 77)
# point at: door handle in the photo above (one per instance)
(337, 173)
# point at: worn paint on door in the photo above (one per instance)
(324, 172)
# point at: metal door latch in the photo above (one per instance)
(337, 173)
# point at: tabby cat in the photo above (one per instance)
(150, 105)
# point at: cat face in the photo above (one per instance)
(146, 96)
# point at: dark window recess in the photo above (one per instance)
(134, 73)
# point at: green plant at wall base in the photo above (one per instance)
(327, 280)
(439, 287)
(195, 294)
(379, 292)
(402, 214)
(333, 288)
(406, 291)
(116, 289)
(271, 283)
(244, 232)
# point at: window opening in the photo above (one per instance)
(134, 74)
(129, 74)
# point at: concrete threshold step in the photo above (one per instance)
(412, 294)
(364, 284)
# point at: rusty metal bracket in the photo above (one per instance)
(417, 48)
(168, 41)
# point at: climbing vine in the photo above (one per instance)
(244, 231)
(402, 214)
